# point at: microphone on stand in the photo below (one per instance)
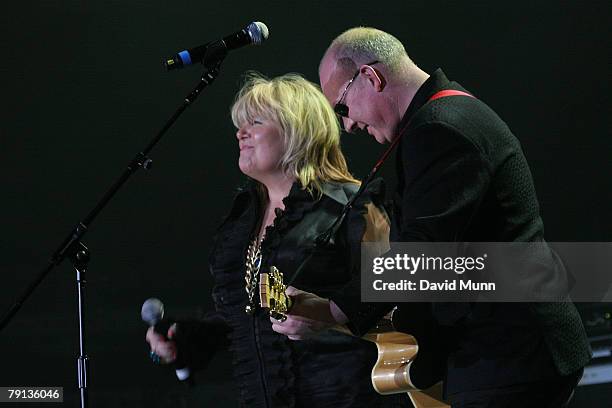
(152, 313)
(214, 51)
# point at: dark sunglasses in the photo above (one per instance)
(340, 107)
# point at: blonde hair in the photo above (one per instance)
(361, 45)
(311, 132)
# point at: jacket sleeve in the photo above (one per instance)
(367, 221)
(199, 340)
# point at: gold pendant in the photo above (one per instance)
(249, 309)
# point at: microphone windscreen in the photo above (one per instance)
(152, 311)
(258, 32)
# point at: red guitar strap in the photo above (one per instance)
(449, 92)
(440, 94)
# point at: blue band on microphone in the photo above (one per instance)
(185, 57)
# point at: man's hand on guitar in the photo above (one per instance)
(309, 314)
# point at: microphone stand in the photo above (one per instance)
(73, 248)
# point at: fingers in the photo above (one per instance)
(166, 351)
(153, 336)
(293, 328)
(281, 330)
(308, 315)
(172, 331)
(164, 348)
(291, 291)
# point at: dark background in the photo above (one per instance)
(84, 90)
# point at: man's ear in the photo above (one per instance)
(374, 77)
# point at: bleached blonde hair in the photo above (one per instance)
(311, 132)
(361, 45)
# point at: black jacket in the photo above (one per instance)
(462, 177)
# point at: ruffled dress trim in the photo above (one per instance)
(263, 360)
(263, 364)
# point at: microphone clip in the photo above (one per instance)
(213, 53)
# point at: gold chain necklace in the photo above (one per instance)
(252, 263)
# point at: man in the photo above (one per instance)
(462, 177)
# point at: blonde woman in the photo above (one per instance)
(289, 143)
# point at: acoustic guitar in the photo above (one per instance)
(396, 350)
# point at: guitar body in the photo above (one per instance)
(395, 352)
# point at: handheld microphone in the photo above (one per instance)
(152, 313)
(213, 52)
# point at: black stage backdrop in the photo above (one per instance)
(83, 90)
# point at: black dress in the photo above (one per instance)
(330, 370)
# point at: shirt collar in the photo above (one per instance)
(333, 190)
(436, 82)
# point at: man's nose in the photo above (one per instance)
(350, 126)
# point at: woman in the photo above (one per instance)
(299, 182)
